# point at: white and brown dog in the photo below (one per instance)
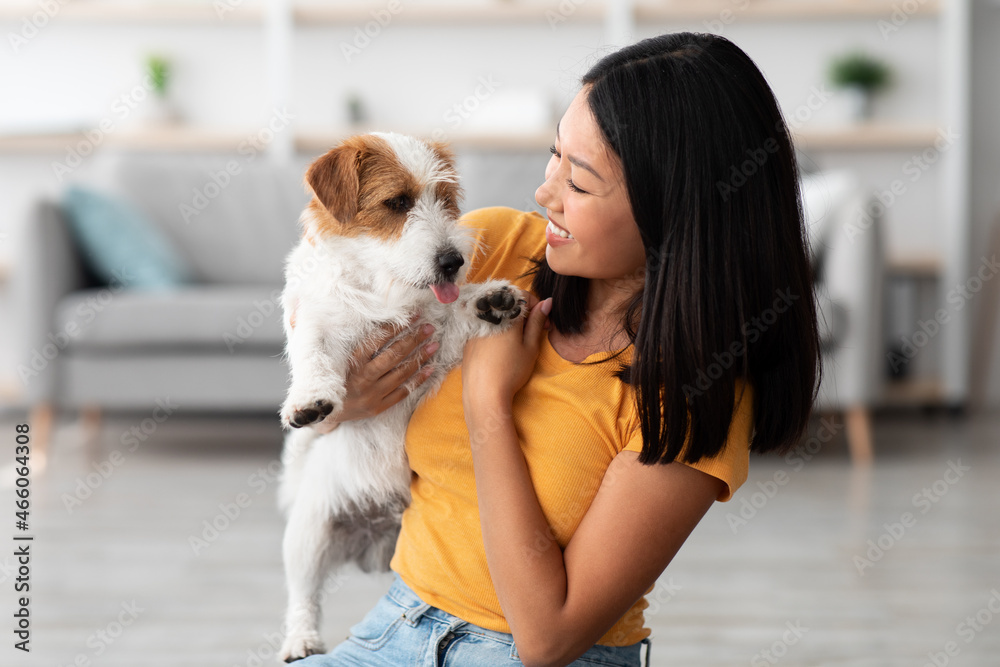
(381, 243)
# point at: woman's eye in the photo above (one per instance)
(552, 149)
(572, 186)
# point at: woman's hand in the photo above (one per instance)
(495, 367)
(374, 385)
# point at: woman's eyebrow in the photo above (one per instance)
(580, 163)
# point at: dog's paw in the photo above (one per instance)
(503, 303)
(302, 646)
(299, 414)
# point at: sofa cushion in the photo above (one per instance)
(235, 221)
(209, 318)
(121, 246)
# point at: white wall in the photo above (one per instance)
(410, 75)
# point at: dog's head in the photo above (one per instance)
(397, 198)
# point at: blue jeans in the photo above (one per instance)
(403, 630)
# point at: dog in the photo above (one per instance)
(381, 243)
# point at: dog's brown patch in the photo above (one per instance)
(361, 188)
(450, 194)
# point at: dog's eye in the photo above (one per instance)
(400, 204)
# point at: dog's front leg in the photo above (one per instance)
(318, 366)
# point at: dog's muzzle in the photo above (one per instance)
(445, 290)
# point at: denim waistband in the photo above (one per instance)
(417, 609)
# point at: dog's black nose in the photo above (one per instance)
(450, 262)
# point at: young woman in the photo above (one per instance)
(672, 331)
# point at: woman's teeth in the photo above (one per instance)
(559, 232)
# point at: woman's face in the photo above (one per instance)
(584, 196)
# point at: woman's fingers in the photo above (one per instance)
(403, 371)
(401, 391)
(393, 354)
(364, 352)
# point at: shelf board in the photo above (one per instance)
(107, 11)
(165, 139)
(110, 11)
(359, 14)
(913, 392)
(317, 141)
(185, 138)
(767, 10)
(866, 136)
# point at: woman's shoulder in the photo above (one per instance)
(504, 239)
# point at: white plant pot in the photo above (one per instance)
(859, 103)
(160, 111)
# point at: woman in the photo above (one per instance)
(672, 331)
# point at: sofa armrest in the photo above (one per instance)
(50, 268)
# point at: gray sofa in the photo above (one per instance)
(207, 347)
(217, 345)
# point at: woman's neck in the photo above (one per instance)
(602, 324)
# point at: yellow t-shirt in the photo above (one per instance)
(571, 420)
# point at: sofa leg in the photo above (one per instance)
(41, 420)
(859, 435)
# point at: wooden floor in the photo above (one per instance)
(820, 568)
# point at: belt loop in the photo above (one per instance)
(649, 646)
(413, 615)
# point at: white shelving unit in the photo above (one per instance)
(279, 21)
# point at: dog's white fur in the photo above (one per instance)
(344, 492)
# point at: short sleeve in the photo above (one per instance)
(505, 238)
(732, 464)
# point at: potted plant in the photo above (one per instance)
(160, 109)
(860, 76)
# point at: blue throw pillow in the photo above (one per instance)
(121, 245)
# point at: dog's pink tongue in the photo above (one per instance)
(445, 292)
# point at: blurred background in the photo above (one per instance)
(151, 161)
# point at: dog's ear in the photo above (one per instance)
(443, 152)
(334, 180)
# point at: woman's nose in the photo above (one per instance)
(545, 195)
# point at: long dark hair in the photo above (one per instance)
(713, 185)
